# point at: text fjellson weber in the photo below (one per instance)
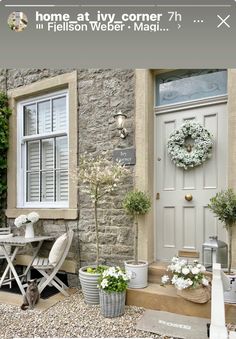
(102, 27)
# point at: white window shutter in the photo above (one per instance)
(59, 114)
(62, 185)
(62, 153)
(30, 120)
(47, 170)
(33, 183)
(44, 117)
(61, 165)
(48, 186)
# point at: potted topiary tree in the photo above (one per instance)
(137, 203)
(97, 177)
(223, 205)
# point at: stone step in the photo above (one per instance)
(161, 298)
(155, 271)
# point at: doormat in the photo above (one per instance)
(47, 292)
(173, 325)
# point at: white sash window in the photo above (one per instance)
(43, 152)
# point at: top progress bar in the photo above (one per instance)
(52, 5)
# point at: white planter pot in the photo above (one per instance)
(139, 273)
(29, 230)
(230, 296)
(89, 282)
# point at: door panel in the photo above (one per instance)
(185, 224)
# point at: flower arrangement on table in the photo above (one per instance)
(25, 219)
(28, 221)
(188, 277)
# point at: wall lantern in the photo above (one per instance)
(214, 251)
(120, 121)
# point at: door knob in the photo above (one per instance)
(188, 197)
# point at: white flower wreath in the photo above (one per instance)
(187, 155)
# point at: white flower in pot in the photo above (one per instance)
(112, 284)
(137, 203)
(188, 279)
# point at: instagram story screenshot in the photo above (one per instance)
(118, 169)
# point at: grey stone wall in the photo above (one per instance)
(101, 94)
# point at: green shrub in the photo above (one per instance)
(137, 203)
(97, 270)
(5, 113)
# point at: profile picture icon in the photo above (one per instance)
(17, 21)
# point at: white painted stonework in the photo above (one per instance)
(217, 328)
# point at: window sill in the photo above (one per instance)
(50, 213)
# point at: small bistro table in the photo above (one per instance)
(19, 242)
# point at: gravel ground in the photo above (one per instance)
(69, 318)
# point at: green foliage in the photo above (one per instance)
(223, 205)
(5, 113)
(136, 203)
(99, 175)
(114, 279)
(97, 270)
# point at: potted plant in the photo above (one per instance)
(223, 205)
(98, 177)
(189, 280)
(112, 284)
(137, 203)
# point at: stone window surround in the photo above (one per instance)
(144, 140)
(64, 81)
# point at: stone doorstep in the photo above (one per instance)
(156, 297)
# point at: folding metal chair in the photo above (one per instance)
(50, 271)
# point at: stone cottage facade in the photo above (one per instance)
(99, 95)
(95, 96)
